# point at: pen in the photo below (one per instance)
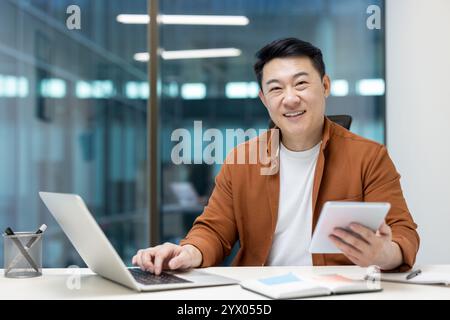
(21, 248)
(32, 240)
(413, 274)
(29, 244)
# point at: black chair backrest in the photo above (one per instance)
(342, 120)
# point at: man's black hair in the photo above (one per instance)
(288, 47)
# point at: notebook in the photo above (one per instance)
(291, 285)
(435, 278)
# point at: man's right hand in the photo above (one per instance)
(168, 256)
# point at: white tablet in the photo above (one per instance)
(340, 214)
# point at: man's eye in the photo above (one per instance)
(300, 83)
(275, 88)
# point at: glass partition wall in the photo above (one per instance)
(78, 114)
(73, 107)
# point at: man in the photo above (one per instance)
(274, 215)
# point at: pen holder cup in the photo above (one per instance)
(22, 255)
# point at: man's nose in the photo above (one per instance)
(291, 99)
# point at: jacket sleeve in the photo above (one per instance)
(214, 232)
(382, 184)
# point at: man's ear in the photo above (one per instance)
(263, 98)
(326, 85)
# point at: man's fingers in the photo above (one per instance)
(351, 239)
(147, 259)
(176, 263)
(181, 261)
(385, 230)
(156, 259)
(142, 258)
(138, 258)
(161, 257)
(345, 247)
(363, 232)
(350, 252)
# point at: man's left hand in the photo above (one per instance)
(365, 247)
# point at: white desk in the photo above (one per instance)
(53, 285)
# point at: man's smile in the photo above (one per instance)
(294, 114)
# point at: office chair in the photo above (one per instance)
(342, 120)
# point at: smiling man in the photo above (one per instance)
(273, 216)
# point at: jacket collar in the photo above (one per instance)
(326, 134)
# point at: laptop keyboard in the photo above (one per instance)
(147, 278)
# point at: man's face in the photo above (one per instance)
(294, 94)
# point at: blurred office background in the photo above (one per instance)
(73, 103)
(69, 121)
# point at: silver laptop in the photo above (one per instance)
(97, 252)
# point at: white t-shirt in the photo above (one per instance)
(293, 230)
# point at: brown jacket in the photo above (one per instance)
(244, 203)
